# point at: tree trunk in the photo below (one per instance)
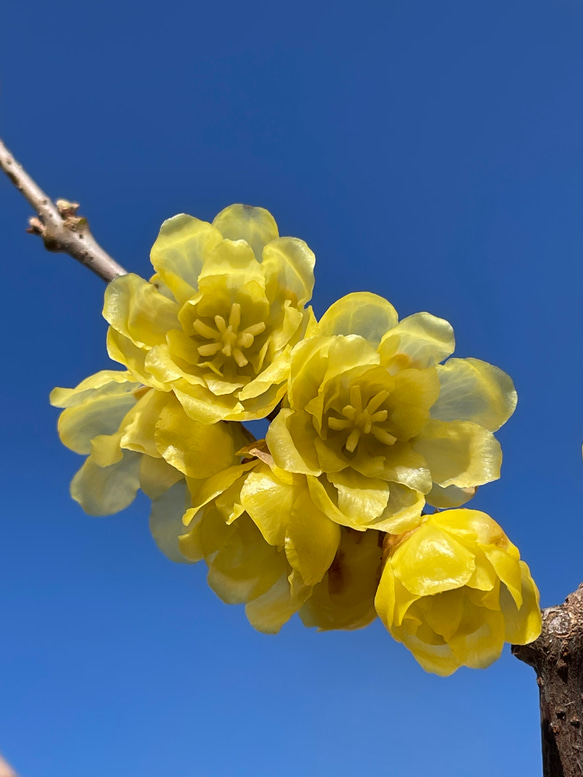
(557, 658)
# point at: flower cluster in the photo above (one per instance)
(372, 427)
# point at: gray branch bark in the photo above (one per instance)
(58, 224)
(557, 658)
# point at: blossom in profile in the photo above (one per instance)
(378, 426)
(216, 323)
(344, 598)
(134, 438)
(454, 590)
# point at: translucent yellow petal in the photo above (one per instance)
(107, 490)
(100, 384)
(204, 491)
(312, 539)
(290, 440)
(139, 425)
(269, 612)
(179, 253)
(106, 449)
(137, 310)
(276, 373)
(420, 340)
(203, 406)
(403, 511)
(245, 567)
(473, 390)
(166, 521)
(269, 502)
(451, 496)
(360, 499)
(198, 450)
(244, 222)
(190, 543)
(459, 453)
(442, 612)
(479, 639)
(522, 625)
(413, 394)
(437, 659)
(309, 361)
(157, 476)
(345, 597)
(99, 414)
(121, 349)
(360, 313)
(393, 601)
(430, 561)
(288, 264)
(508, 570)
(233, 262)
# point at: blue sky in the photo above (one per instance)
(429, 152)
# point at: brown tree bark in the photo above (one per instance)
(557, 658)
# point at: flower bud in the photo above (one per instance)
(454, 590)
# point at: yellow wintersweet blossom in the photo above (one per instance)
(134, 438)
(344, 598)
(217, 322)
(243, 567)
(454, 590)
(378, 426)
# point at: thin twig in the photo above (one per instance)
(6, 770)
(59, 225)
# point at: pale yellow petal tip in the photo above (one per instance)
(454, 591)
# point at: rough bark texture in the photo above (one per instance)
(557, 658)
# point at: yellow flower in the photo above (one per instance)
(243, 567)
(136, 437)
(344, 598)
(378, 426)
(454, 590)
(217, 322)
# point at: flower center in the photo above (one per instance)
(226, 338)
(358, 419)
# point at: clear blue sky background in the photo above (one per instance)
(431, 152)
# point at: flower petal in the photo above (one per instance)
(344, 599)
(166, 521)
(288, 264)
(360, 313)
(459, 453)
(423, 339)
(311, 539)
(244, 222)
(473, 390)
(431, 561)
(107, 490)
(137, 310)
(179, 253)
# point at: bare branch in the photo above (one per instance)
(59, 225)
(6, 770)
(557, 658)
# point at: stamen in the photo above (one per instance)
(255, 329)
(352, 440)
(239, 358)
(235, 316)
(210, 349)
(221, 324)
(377, 401)
(383, 436)
(356, 397)
(339, 423)
(205, 330)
